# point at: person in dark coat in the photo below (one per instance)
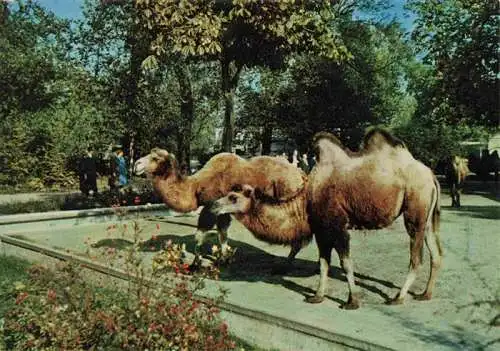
(88, 173)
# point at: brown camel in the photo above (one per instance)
(457, 168)
(370, 190)
(275, 178)
(272, 221)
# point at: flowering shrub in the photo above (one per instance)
(60, 309)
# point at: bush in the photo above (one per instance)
(60, 309)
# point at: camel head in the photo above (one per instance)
(239, 200)
(158, 162)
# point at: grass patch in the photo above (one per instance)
(32, 206)
(12, 269)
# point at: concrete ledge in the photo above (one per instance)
(52, 215)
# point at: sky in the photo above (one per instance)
(72, 9)
(64, 8)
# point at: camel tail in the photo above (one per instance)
(436, 215)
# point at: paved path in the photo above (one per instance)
(451, 321)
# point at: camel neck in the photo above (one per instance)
(177, 193)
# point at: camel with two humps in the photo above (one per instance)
(282, 222)
(277, 179)
(369, 190)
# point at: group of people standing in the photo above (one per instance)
(113, 164)
(306, 162)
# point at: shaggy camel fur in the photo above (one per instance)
(457, 168)
(276, 178)
(275, 222)
(370, 190)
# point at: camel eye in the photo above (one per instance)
(233, 199)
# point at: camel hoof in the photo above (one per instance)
(352, 304)
(395, 301)
(315, 299)
(423, 297)
(195, 265)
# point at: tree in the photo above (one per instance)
(50, 109)
(315, 94)
(459, 40)
(240, 33)
(32, 44)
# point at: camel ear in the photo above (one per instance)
(237, 188)
(248, 191)
(259, 194)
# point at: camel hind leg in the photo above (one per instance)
(416, 231)
(417, 224)
(433, 245)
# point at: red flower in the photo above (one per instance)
(21, 297)
(51, 295)
(137, 200)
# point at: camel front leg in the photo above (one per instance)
(325, 247)
(206, 221)
(342, 247)
(223, 222)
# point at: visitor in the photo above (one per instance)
(121, 167)
(303, 164)
(88, 173)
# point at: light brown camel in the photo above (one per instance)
(457, 169)
(370, 190)
(270, 220)
(275, 178)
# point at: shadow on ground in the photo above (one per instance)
(482, 212)
(458, 339)
(252, 264)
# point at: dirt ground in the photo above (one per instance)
(464, 313)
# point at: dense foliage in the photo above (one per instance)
(64, 308)
(206, 72)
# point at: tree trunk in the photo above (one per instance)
(267, 138)
(187, 117)
(230, 77)
(138, 53)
